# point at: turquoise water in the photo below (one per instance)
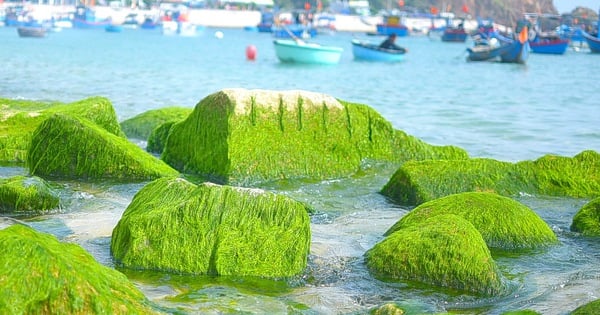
(502, 111)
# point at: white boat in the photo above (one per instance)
(299, 51)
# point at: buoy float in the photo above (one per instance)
(219, 34)
(251, 52)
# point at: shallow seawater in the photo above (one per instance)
(501, 111)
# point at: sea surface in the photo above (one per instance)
(507, 112)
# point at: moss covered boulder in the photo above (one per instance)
(26, 194)
(175, 225)
(416, 182)
(503, 223)
(240, 136)
(140, 126)
(587, 219)
(72, 147)
(158, 137)
(41, 275)
(592, 308)
(444, 250)
(19, 119)
(387, 309)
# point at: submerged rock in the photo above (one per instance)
(70, 147)
(141, 125)
(240, 136)
(503, 223)
(587, 219)
(444, 250)
(416, 182)
(26, 194)
(174, 225)
(19, 119)
(41, 275)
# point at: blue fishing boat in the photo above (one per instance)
(592, 41)
(85, 18)
(549, 45)
(363, 50)
(113, 28)
(299, 51)
(454, 34)
(294, 30)
(392, 24)
(494, 47)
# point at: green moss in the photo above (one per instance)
(19, 119)
(174, 225)
(521, 312)
(503, 223)
(388, 309)
(587, 219)
(26, 194)
(239, 137)
(41, 275)
(416, 182)
(158, 138)
(70, 147)
(141, 126)
(592, 308)
(445, 250)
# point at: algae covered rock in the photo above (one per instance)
(592, 308)
(503, 223)
(19, 119)
(587, 219)
(387, 309)
(445, 250)
(240, 136)
(175, 225)
(24, 194)
(70, 147)
(416, 182)
(41, 275)
(158, 137)
(141, 125)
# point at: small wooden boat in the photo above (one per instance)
(299, 51)
(31, 31)
(543, 37)
(454, 34)
(592, 41)
(372, 52)
(499, 47)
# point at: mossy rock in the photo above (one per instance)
(26, 194)
(174, 225)
(141, 126)
(387, 309)
(19, 119)
(416, 182)
(592, 308)
(71, 147)
(587, 219)
(41, 275)
(158, 138)
(503, 222)
(240, 136)
(521, 312)
(445, 250)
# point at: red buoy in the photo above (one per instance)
(251, 52)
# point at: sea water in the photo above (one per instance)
(507, 112)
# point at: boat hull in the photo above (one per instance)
(307, 53)
(593, 42)
(555, 47)
(371, 52)
(25, 31)
(454, 35)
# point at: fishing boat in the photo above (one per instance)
(114, 28)
(543, 38)
(86, 18)
(299, 51)
(592, 41)
(363, 50)
(549, 45)
(31, 31)
(392, 24)
(499, 48)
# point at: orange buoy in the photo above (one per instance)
(251, 52)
